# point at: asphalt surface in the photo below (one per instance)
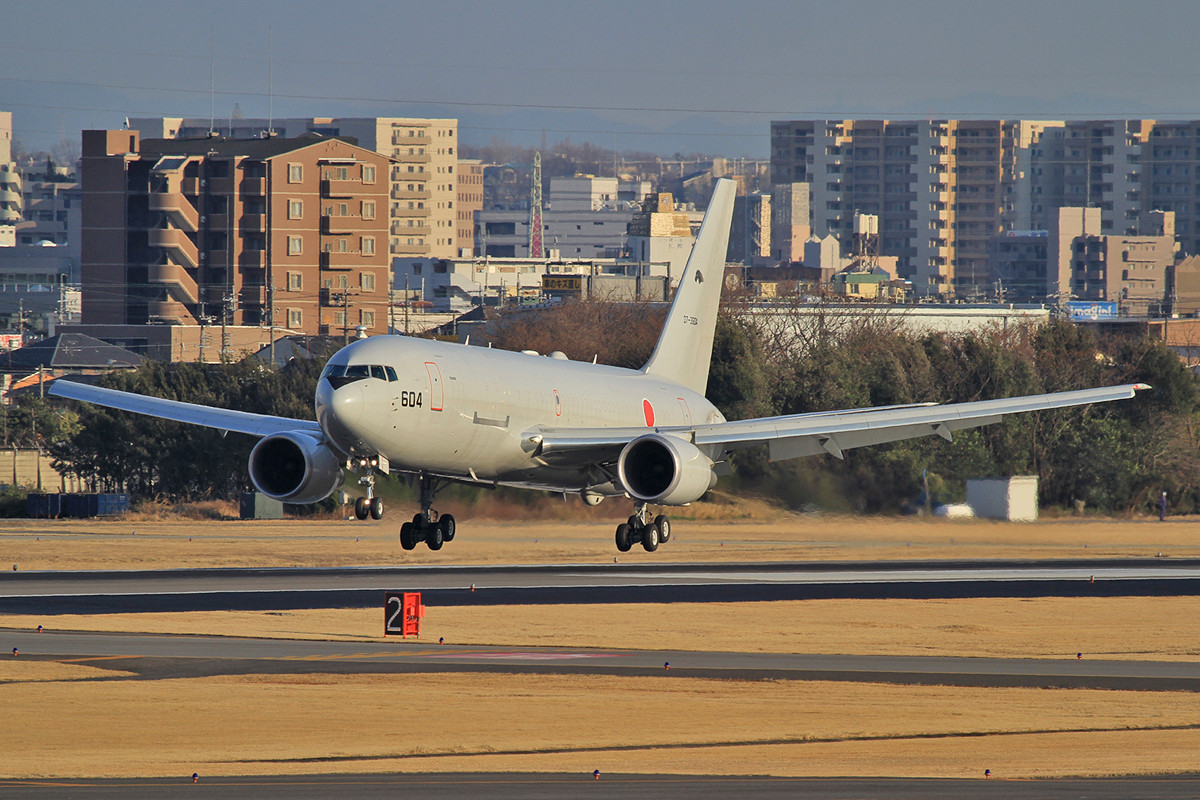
(153, 656)
(624, 786)
(259, 589)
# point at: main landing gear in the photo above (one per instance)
(640, 527)
(428, 526)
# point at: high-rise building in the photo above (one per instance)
(940, 188)
(10, 179)
(288, 233)
(423, 188)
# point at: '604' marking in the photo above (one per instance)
(410, 400)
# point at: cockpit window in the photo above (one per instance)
(340, 374)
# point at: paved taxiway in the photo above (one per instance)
(615, 785)
(256, 589)
(154, 656)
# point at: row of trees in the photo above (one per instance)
(1114, 457)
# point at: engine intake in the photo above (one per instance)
(295, 467)
(665, 470)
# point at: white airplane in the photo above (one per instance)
(440, 413)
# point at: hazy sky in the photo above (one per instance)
(699, 75)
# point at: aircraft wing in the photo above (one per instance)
(221, 418)
(829, 432)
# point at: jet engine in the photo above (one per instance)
(665, 470)
(295, 467)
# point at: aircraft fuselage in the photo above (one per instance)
(469, 412)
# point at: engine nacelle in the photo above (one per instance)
(665, 470)
(295, 467)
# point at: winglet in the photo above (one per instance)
(684, 349)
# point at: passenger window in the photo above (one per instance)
(391, 373)
(377, 372)
(358, 371)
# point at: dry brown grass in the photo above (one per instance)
(1132, 628)
(152, 544)
(251, 725)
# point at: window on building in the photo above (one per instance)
(295, 281)
(295, 209)
(295, 173)
(368, 209)
(367, 281)
(368, 174)
(339, 318)
(367, 245)
(343, 209)
(295, 245)
(368, 318)
(295, 318)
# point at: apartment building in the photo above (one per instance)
(470, 200)
(423, 180)
(287, 233)
(941, 188)
(584, 218)
(750, 233)
(10, 179)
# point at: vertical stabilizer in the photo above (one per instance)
(684, 349)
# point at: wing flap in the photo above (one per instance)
(220, 418)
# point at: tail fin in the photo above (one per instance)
(684, 348)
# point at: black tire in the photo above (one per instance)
(360, 507)
(433, 537)
(446, 523)
(408, 537)
(634, 522)
(623, 539)
(650, 537)
(418, 521)
(664, 528)
(376, 507)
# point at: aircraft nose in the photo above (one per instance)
(339, 409)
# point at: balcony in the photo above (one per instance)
(411, 158)
(179, 247)
(331, 224)
(341, 259)
(253, 222)
(402, 140)
(180, 285)
(179, 210)
(252, 259)
(169, 311)
(406, 230)
(254, 187)
(399, 193)
(331, 187)
(253, 295)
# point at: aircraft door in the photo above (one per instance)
(687, 412)
(437, 395)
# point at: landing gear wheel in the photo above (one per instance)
(635, 522)
(360, 507)
(623, 540)
(375, 507)
(650, 537)
(408, 536)
(664, 528)
(433, 537)
(446, 524)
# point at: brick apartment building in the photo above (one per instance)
(287, 233)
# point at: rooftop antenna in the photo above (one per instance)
(270, 84)
(212, 112)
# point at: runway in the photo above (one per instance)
(259, 589)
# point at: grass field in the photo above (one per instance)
(76, 719)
